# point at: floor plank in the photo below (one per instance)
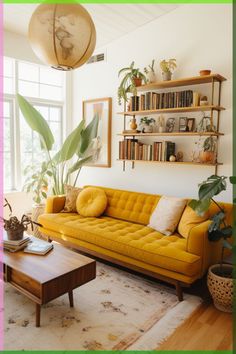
(206, 329)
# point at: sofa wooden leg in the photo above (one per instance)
(179, 291)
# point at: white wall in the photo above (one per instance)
(199, 37)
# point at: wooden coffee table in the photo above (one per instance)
(44, 278)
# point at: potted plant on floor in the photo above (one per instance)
(79, 148)
(147, 124)
(208, 154)
(133, 77)
(167, 67)
(150, 73)
(220, 276)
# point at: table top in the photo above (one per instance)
(55, 263)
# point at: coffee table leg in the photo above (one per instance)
(70, 293)
(38, 308)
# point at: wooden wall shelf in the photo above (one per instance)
(175, 163)
(174, 110)
(173, 134)
(196, 80)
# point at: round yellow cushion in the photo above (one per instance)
(91, 202)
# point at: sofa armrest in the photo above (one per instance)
(198, 244)
(55, 204)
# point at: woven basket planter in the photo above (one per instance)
(220, 287)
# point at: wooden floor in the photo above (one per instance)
(206, 329)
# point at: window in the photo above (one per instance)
(44, 88)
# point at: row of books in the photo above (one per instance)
(132, 149)
(153, 100)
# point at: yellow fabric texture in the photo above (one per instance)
(129, 239)
(91, 202)
(188, 220)
(129, 206)
(55, 203)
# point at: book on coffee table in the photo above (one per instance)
(15, 245)
(38, 247)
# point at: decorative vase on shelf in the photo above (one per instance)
(133, 124)
(166, 75)
(151, 77)
(147, 129)
(161, 129)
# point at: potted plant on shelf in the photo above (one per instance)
(79, 148)
(37, 182)
(133, 77)
(150, 73)
(167, 67)
(14, 227)
(208, 154)
(220, 276)
(147, 124)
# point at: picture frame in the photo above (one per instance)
(170, 125)
(190, 124)
(102, 107)
(183, 124)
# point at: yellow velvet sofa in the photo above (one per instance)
(121, 235)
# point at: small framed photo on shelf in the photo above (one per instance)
(190, 124)
(183, 124)
(170, 125)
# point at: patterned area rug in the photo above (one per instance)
(116, 311)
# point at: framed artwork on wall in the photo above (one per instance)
(102, 107)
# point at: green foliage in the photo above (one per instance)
(218, 230)
(150, 67)
(209, 144)
(77, 148)
(147, 120)
(168, 65)
(127, 84)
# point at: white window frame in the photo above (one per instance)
(15, 124)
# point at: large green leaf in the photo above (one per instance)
(211, 187)
(232, 179)
(79, 164)
(70, 145)
(200, 206)
(36, 122)
(88, 134)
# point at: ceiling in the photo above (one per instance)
(111, 20)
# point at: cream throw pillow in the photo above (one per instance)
(71, 196)
(167, 214)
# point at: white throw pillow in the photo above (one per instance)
(167, 214)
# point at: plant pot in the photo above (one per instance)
(137, 81)
(207, 156)
(37, 209)
(221, 287)
(151, 77)
(147, 129)
(166, 76)
(15, 235)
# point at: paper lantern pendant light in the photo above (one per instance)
(62, 35)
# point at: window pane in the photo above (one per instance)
(7, 171)
(8, 86)
(6, 109)
(51, 76)
(50, 92)
(7, 135)
(44, 110)
(28, 89)
(55, 114)
(28, 72)
(8, 69)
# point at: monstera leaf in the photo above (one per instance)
(200, 206)
(211, 187)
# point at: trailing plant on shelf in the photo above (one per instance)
(167, 67)
(79, 148)
(14, 227)
(208, 154)
(133, 77)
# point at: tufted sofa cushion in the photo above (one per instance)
(129, 239)
(130, 206)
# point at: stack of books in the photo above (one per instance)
(39, 247)
(14, 246)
